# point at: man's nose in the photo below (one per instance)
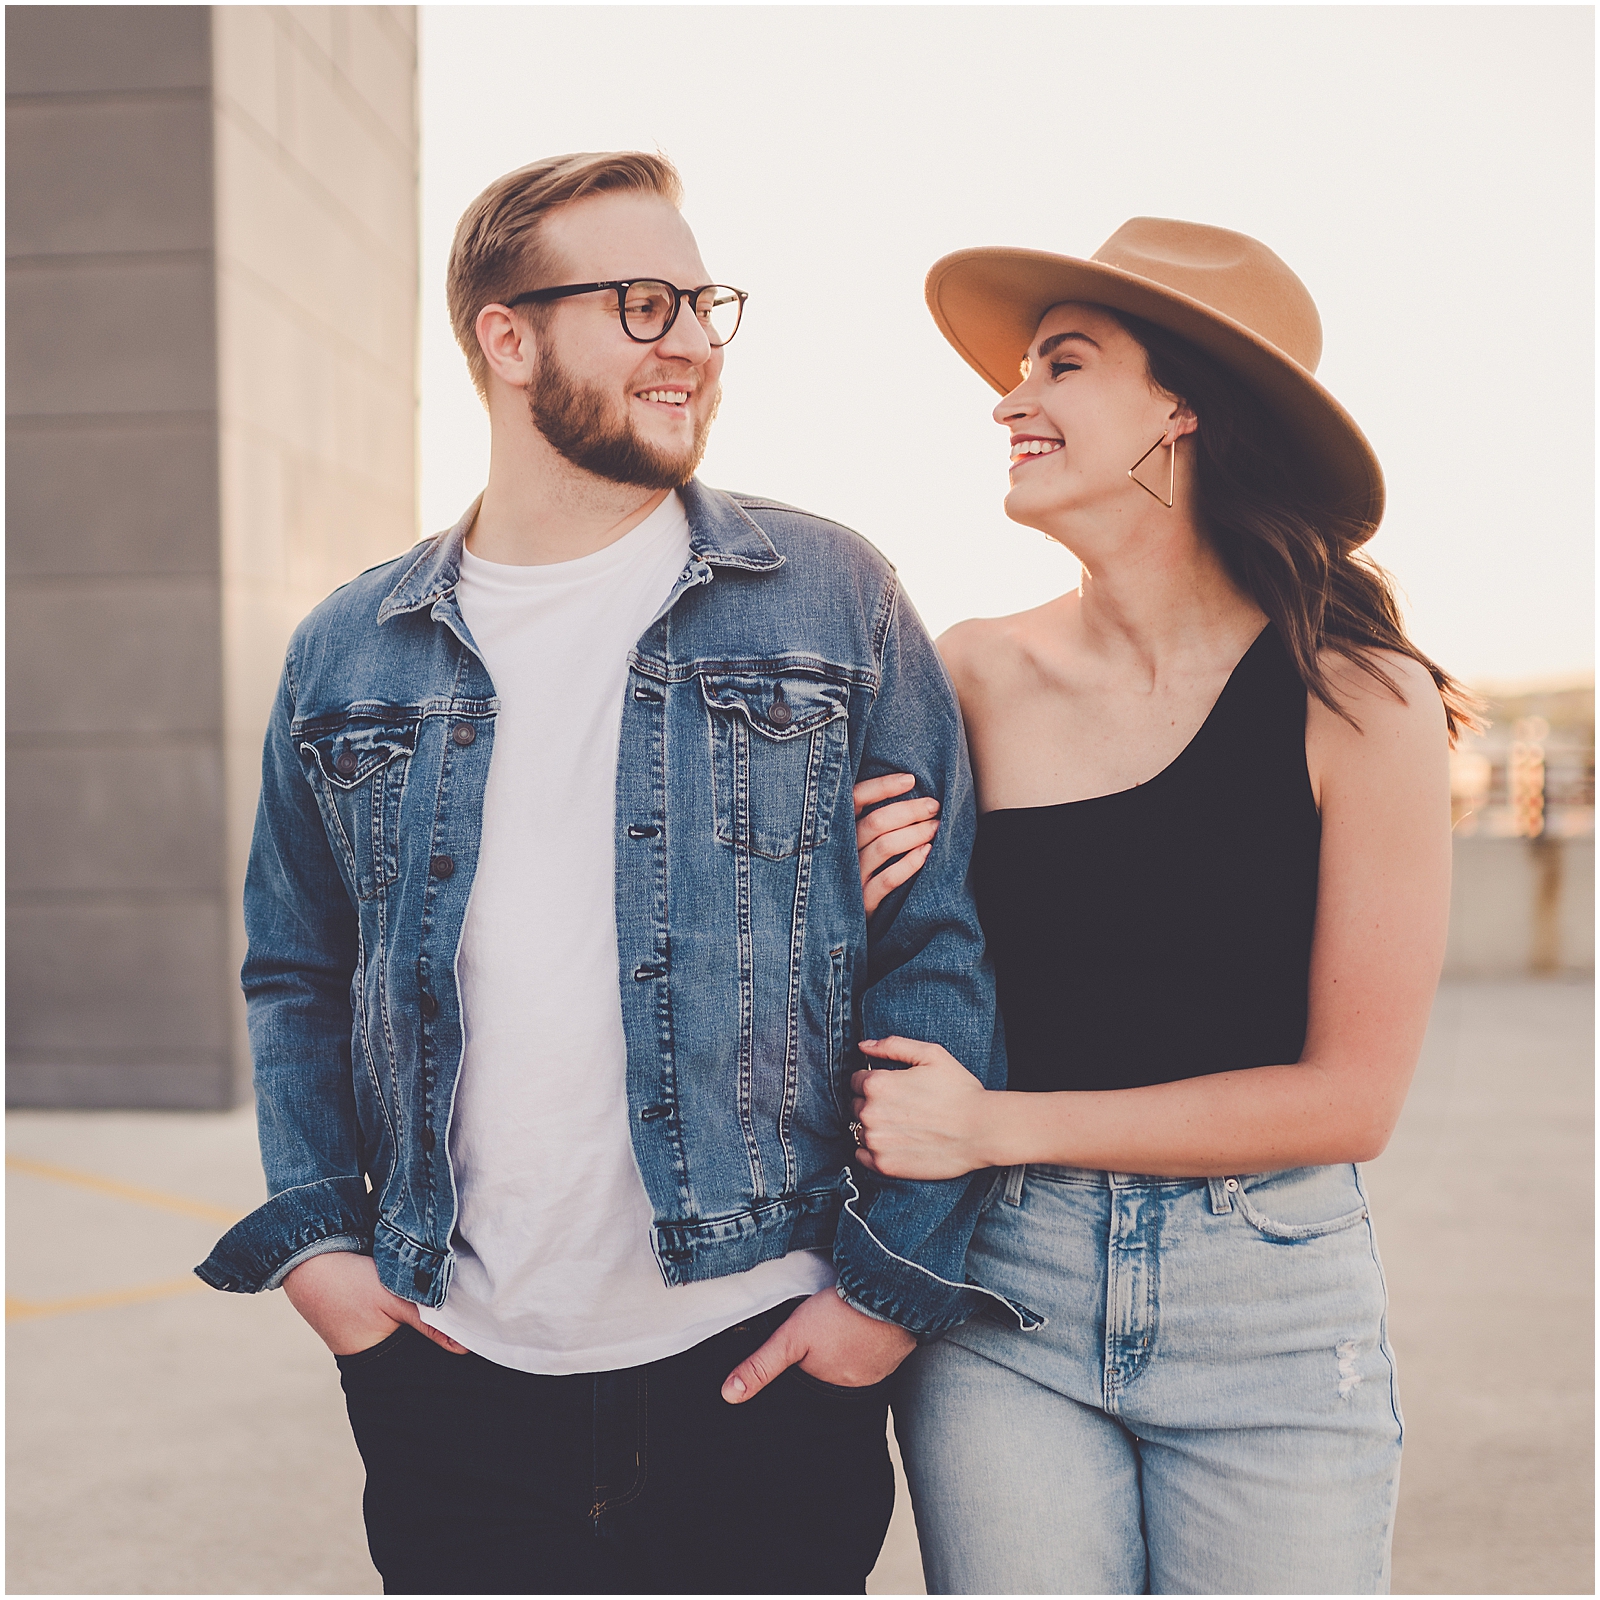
(686, 339)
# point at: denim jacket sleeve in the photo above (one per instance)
(303, 941)
(901, 1245)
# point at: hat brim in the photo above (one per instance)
(988, 302)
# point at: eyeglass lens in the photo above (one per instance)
(647, 306)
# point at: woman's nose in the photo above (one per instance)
(1012, 408)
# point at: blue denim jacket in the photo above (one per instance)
(784, 664)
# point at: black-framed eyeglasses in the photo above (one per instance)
(648, 307)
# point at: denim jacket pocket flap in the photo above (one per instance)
(349, 750)
(357, 765)
(777, 705)
(778, 744)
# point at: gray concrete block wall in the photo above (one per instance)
(115, 827)
(212, 303)
(316, 154)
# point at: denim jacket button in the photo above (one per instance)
(781, 714)
(430, 1006)
(419, 1279)
(463, 733)
(346, 764)
(636, 831)
(441, 866)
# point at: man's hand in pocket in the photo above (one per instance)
(339, 1294)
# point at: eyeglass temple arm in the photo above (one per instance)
(562, 293)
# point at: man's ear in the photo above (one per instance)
(508, 343)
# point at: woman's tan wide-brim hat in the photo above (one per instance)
(1223, 292)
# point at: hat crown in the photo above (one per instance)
(1228, 272)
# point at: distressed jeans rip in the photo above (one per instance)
(1349, 1378)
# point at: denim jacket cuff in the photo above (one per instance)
(866, 1311)
(260, 1251)
(875, 1280)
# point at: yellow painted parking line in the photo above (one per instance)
(20, 1310)
(122, 1191)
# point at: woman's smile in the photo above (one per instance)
(1029, 446)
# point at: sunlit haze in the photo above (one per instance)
(1428, 171)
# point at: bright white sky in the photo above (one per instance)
(1428, 171)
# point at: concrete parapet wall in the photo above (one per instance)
(211, 265)
(116, 952)
(1521, 907)
(316, 247)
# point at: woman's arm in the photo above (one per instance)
(1382, 907)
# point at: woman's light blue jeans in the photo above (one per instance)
(1211, 1408)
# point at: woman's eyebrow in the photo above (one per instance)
(1058, 339)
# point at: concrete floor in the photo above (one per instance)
(167, 1439)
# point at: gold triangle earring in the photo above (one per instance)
(1172, 470)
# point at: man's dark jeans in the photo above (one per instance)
(484, 1480)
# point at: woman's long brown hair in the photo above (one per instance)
(1295, 553)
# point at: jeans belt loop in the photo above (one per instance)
(1221, 1200)
(1014, 1177)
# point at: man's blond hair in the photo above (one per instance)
(497, 251)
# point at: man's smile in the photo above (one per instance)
(667, 396)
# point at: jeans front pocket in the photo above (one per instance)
(357, 1360)
(778, 747)
(867, 1393)
(1300, 1202)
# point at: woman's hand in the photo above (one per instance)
(928, 1120)
(904, 829)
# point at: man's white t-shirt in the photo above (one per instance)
(554, 1271)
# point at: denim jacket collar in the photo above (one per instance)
(720, 535)
(432, 572)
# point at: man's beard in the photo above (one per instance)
(578, 422)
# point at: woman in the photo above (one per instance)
(1213, 865)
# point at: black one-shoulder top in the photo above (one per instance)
(1163, 932)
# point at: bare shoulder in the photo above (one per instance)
(970, 646)
(985, 654)
(1391, 741)
(1407, 703)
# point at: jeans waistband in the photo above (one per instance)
(1106, 1180)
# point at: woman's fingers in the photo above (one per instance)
(887, 819)
(896, 843)
(877, 889)
(871, 790)
(925, 1122)
(914, 1052)
(903, 830)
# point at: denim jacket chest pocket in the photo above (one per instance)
(356, 764)
(778, 746)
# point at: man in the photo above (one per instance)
(553, 1048)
